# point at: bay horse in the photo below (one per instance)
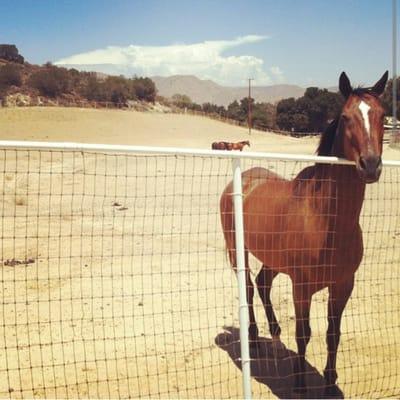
(308, 227)
(229, 145)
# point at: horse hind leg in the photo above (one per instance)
(264, 285)
(253, 329)
(227, 220)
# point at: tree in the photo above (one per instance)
(234, 110)
(143, 89)
(244, 108)
(117, 89)
(387, 97)
(285, 110)
(181, 100)
(93, 89)
(210, 108)
(309, 113)
(263, 116)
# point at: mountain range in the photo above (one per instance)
(206, 91)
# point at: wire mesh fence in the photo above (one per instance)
(115, 283)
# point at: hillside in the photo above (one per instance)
(24, 84)
(203, 91)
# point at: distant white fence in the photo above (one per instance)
(115, 280)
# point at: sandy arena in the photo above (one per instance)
(115, 282)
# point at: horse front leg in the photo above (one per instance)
(302, 303)
(339, 294)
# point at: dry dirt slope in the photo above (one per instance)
(135, 128)
(142, 129)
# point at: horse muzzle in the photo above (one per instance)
(369, 168)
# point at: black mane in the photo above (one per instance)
(359, 91)
(327, 139)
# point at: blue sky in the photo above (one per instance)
(306, 42)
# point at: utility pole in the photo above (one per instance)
(394, 73)
(249, 106)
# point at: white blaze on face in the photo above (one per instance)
(364, 107)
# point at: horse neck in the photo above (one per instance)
(342, 193)
(349, 188)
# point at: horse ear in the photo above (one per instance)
(344, 85)
(379, 86)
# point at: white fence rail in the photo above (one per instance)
(115, 281)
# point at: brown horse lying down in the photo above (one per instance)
(229, 145)
(308, 227)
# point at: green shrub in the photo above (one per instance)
(143, 89)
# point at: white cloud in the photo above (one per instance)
(205, 60)
(277, 73)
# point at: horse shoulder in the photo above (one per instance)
(311, 214)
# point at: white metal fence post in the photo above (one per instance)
(241, 275)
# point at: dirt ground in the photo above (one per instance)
(115, 282)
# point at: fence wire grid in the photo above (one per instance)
(115, 283)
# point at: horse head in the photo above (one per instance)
(360, 127)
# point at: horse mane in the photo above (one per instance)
(360, 91)
(327, 139)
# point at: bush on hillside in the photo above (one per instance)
(51, 81)
(144, 89)
(117, 89)
(10, 75)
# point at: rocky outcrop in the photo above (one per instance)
(24, 100)
(17, 100)
(10, 52)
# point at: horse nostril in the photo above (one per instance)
(363, 163)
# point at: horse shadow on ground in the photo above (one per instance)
(275, 372)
